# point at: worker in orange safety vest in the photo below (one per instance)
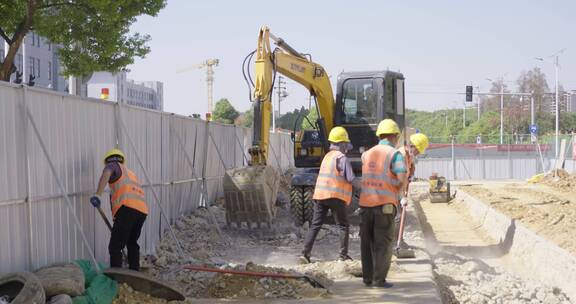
(129, 209)
(383, 178)
(333, 192)
(418, 143)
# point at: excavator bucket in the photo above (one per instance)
(250, 195)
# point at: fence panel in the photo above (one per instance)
(76, 133)
(14, 220)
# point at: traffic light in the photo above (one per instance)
(469, 93)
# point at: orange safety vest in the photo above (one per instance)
(409, 162)
(379, 185)
(126, 191)
(330, 182)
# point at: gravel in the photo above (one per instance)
(464, 280)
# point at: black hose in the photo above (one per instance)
(248, 78)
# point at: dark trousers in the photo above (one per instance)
(376, 243)
(125, 233)
(321, 207)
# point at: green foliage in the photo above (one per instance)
(248, 118)
(288, 120)
(224, 112)
(310, 123)
(94, 35)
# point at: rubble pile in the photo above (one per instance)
(471, 281)
(205, 246)
(560, 179)
(236, 286)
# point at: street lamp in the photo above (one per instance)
(555, 56)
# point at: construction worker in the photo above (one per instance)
(417, 145)
(383, 178)
(129, 208)
(333, 192)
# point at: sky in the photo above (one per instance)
(439, 46)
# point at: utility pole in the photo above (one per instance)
(502, 112)
(532, 114)
(478, 100)
(464, 116)
(281, 89)
(557, 105)
(557, 101)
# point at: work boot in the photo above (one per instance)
(303, 259)
(383, 284)
(367, 283)
(345, 258)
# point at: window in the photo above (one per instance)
(49, 70)
(49, 46)
(399, 96)
(359, 99)
(38, 40)
(37, 68)
(33, 39)
(2, 55)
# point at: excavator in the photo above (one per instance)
(362, 100)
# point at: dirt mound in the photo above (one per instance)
(546, 210)
(560, 179)
(127, 295)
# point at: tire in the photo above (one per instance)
(301, 205)
(22, 288)
(61, 279)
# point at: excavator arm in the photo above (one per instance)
(296, 66)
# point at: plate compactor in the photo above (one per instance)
(439, 189)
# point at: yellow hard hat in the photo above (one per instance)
(420, 141)
(387, 126)
(114, 152)
(338, 134)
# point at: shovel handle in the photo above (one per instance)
(104, 218)
(401, 229)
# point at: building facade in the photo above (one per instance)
(37, 57)
(117, 87)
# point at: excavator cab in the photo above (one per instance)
(363, 99)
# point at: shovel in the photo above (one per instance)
(403, 253)
(315, 283)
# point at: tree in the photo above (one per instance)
(224, 112)
(248, 118)
(534, 81)
(310, 122)
(288, 120)
(93, 35)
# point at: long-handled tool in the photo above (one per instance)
(403, 253)
(315, 283)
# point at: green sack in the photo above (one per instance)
(100, 289)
